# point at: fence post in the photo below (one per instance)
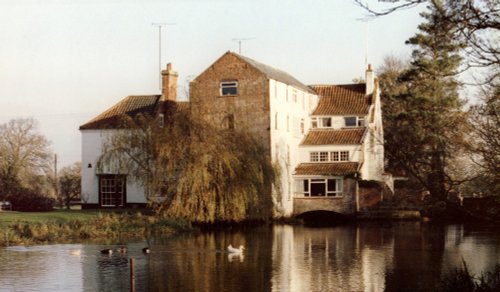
(132, 275)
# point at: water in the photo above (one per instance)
(404, 256)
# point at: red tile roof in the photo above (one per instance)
(335, 137)
(131, 106)
(349, 99)
(340, 168)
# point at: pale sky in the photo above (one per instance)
(63, 62)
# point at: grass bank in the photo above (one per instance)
(26, 228)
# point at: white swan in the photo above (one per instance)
(232, 249)
(76, 252)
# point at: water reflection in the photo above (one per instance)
(404, 256)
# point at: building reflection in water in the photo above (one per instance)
(345, 258)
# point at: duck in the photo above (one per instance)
(122, 249)
(107, 251)
(76, 252)
(145, 250)
(232, 249)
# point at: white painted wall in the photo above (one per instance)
(288, 107)
(92, 145)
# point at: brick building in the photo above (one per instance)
(325, 139)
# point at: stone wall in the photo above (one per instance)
(343, 205)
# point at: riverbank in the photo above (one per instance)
(68, 226)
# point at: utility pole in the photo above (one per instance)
(56, 184)
(239, 40)
(160, 25)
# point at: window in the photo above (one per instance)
(230, 121)
(161, 120)
(354, 121)
(276, 121)
(288, 154)
(229, 88)
(287, 123)
(112, 190)
(339, 156)
(318, 156)
(319, 187)
(314, 123)
(294, 95)
(302, 126)
(314, 156)
(326, 122)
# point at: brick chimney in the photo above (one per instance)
(169, 84)
(370, 80)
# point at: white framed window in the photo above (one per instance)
(326, 122)
(302, 126)
(294, 95)
(276, 121)
(314, 123)
(354, 121)
(228, 88)
(319, 187)
(314, 156)
(321, 122)
(337, 156)
(287, 123)
(318, 156)
(111, 190)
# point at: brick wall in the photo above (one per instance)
(249, 109)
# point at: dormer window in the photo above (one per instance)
(229, 88)
(325, 122)
(354, 121)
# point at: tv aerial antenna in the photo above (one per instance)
(239, 40)
(160, 25)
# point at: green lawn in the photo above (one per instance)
(9, 217)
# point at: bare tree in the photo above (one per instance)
(476, 24)
(485, 140)
(24, 156)
(70, 183)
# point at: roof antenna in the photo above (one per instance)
(239, 40)
(160, 25)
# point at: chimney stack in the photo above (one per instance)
(169, 84)
(370, 80)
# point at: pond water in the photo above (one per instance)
(401, 256)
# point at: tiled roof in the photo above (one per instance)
(340, 168)
(276, 74)
(131, 106)
(349, 99)
(335, 137)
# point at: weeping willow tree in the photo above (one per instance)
(191, 170)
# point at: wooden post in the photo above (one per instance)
(132, 275)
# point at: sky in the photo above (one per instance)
(63, 62)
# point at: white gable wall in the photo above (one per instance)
(289, 106)
(92, 142)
